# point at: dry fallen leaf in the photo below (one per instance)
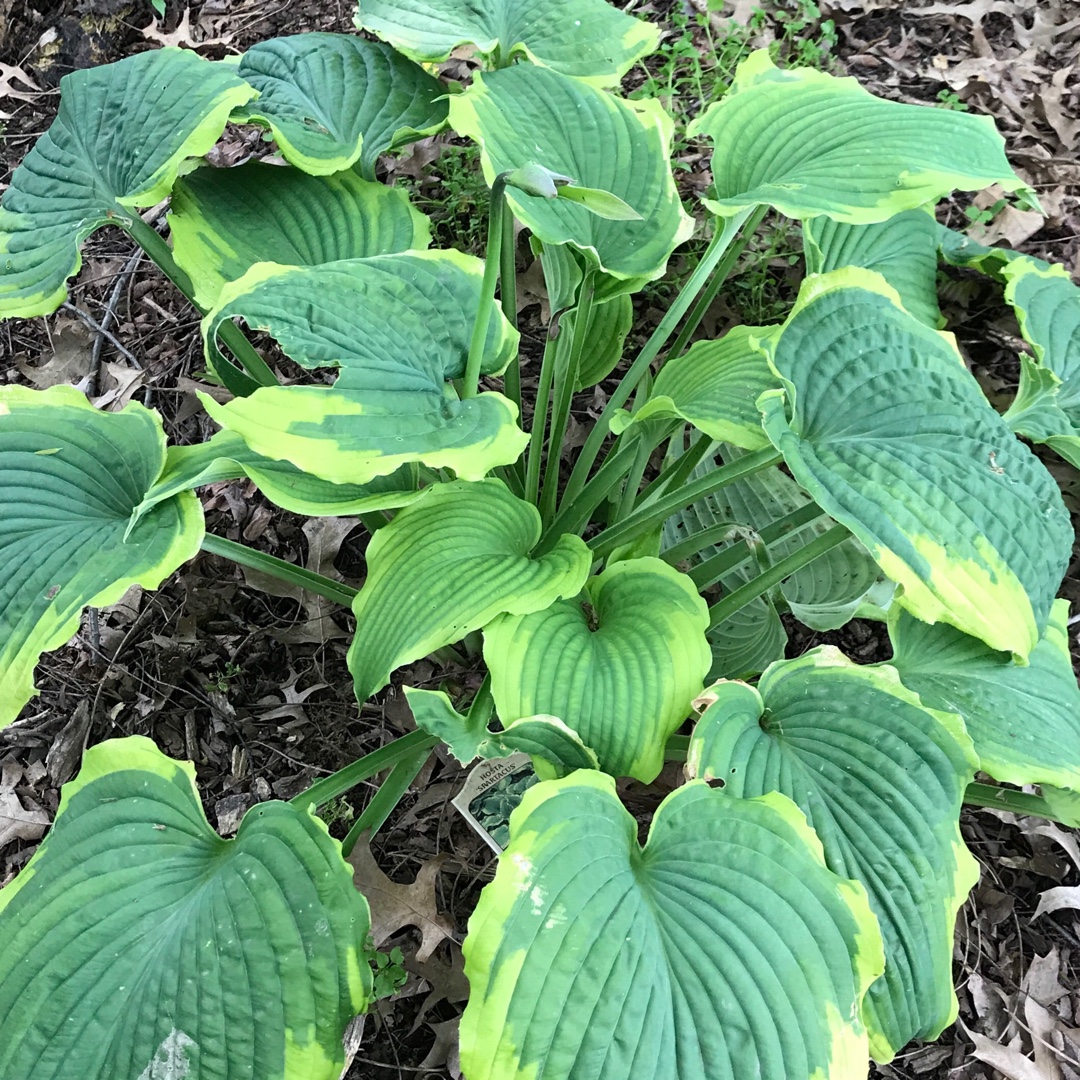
(1061, 896)
(445, 978)
(72, 344)
(183, 35)
(1008, 1060)
(10, 76)
(16, 822)
(324, 537)
(395, 906)
(121, 382)
(444, 1052)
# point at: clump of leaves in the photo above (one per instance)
(792, 910)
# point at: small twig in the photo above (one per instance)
(109, 318)
(96, 326)
(397, 1065)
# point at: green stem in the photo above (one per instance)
(573, 517)
(716, 282)
(565, 381)
(483, 705)
(649, 516)
(645, 447)
(1016, 802)
(713, 254)
(718, 533)
(539, 421)
(508, 300)
(713, 569)
(677, 747)
(772, 577)
(288, 572)
(330, 787)
(154, 245)
(385, 799)
(492, 262)
(674, 474)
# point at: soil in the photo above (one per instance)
(254, 688)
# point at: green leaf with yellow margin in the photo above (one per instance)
(723, 948)
(122, 133)
(1047, 306)
(880, 779)
(333, 100)
(892, 436)
(620, 664)
(519, 115)
(714, 385)
(70, 479)
(227, 457)
(398, 328)
(589, 39)
(1047, 404)
(555, 748)
(139, 944)
(903, 250)
(809, 143)
(1024, 720)
(447, 565)
(224, 221)
(1035, 413)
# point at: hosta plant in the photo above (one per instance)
(791, 911)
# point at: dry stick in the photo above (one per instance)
(109, 318)
(102, 331)
(102, 335)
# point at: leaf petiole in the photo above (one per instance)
(647, 517)
(492, 264)
(386, 757)
(288, 572)
(714, 253)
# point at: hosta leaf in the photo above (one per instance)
(550, 742)
(447, 565)
(224, 221)
(588, 39)
(903, 250)
(723, 948)
(880, 780)
(809, 143)
(958, 249)
(824, 595)
(1035, 412)
(892, 437)
(139, 945)
(1024, 721)
(715, 386)
(122, 132)
(519, 115)
(562, 273)
(747, 642)
(227, 457)
(70, 477)
(332, 100)
(1047, 305)
(620, 665)
(609, 325)
(398, 327)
